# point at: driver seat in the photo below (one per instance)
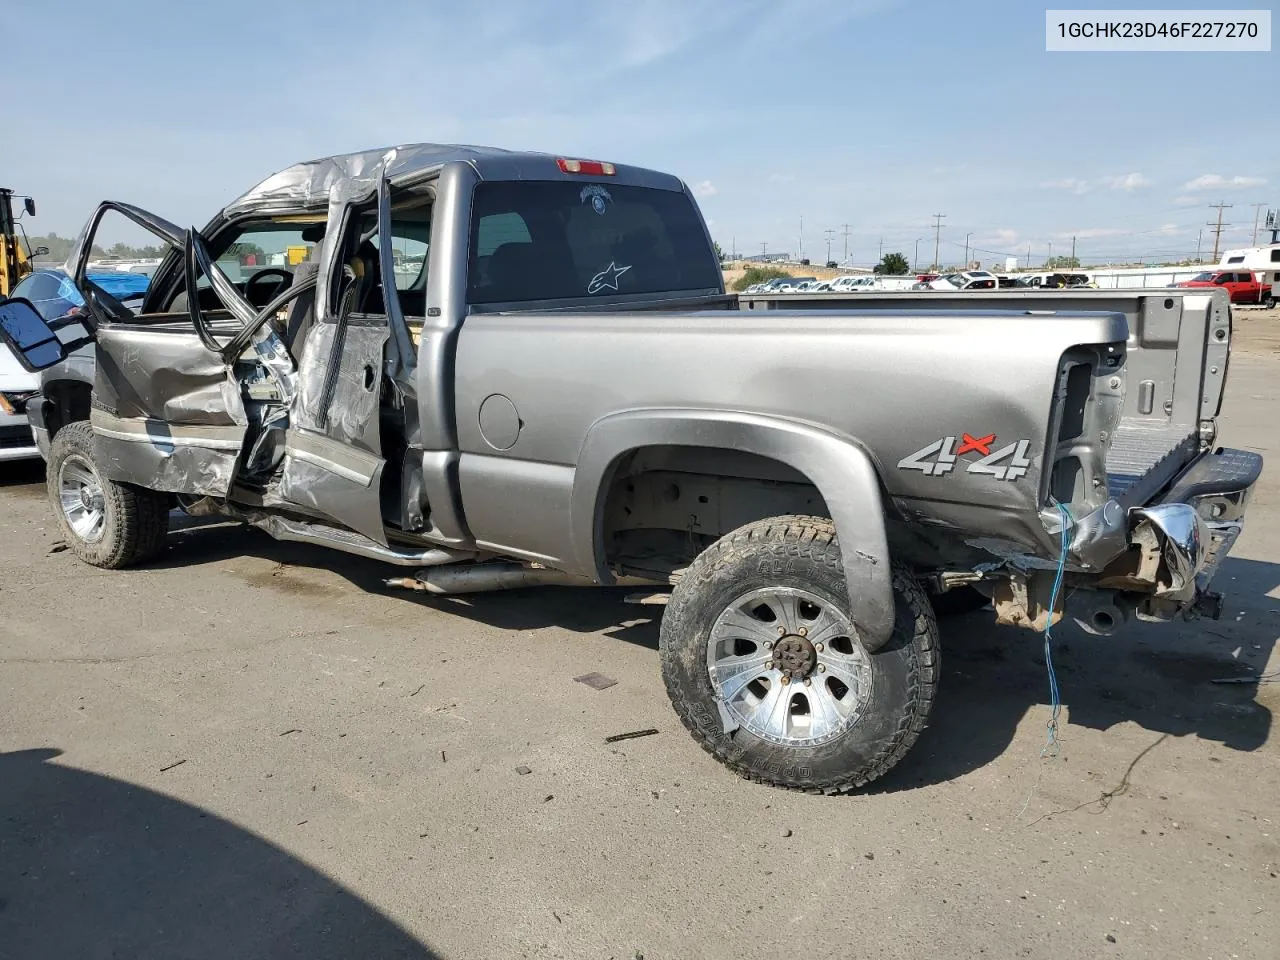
(302, 310)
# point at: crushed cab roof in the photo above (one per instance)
(308, 184)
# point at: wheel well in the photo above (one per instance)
(66, 402)
(665, 504)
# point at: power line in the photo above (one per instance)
(937, 234)
(1217, 228)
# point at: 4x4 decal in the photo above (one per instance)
(939, 458)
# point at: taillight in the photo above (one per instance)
(591, 168)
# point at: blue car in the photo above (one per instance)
(53, 294)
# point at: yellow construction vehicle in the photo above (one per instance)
(15, 252)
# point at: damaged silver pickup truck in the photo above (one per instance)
(498, 369)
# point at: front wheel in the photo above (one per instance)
(106, 524)
(765, 668)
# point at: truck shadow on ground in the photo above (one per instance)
(95, 867)
(1159, 676)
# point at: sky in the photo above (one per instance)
(874, 114)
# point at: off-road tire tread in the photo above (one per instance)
(138, 519)
(815, 539)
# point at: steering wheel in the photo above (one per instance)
(282, 280)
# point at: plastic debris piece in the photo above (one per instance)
(634, 734)
(597, 681)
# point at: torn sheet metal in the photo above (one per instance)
(199, 459)
(321, 478)
(167, 412)
(340, 380)
(309, 184)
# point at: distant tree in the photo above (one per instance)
(893, 265)
(719, 251)
(59, 247)
(1060, 263)
(758, 275)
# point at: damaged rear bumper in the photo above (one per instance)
(1155, 561)
(1192, 529)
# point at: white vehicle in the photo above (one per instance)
(848, 284)
(965, 280)
(1056, 279)
(791, 284)
(907, 282)
(16, 386)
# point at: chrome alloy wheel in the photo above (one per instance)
(788, 666)
(82, 500)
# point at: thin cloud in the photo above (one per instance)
(1127, 182)
(1092, 233)
(1215, 181)
(1068, 183)
(1005, 236)
(705, 188)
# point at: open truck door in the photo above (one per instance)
(167, 412)
(205, 397)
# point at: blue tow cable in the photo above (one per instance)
(1055, 700)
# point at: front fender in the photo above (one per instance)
(838, 466)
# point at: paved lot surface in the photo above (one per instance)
(252, 749)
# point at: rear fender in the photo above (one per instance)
(838, 466)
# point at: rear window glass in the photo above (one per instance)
(552, 240)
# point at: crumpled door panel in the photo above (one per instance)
(333, 453)
(167, 412)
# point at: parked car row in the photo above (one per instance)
(852, 283)
(948, 282)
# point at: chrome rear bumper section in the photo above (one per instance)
(1194, 527)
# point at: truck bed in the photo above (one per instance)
(1177, 351)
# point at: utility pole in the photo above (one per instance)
(733, 247)
(1073, 249)
(1257, 210)
(1199, 237)
(1028, 254)
(1217, 228)
(830, 233)
(846, 243)
(801, 257)
(937, 236)
(764, 250)
(915, 258)
(966, 249)
(881, 260)
(1050, 256)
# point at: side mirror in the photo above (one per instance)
(26, 333)
(39, 251)
(30, 206)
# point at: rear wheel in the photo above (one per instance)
(766, 670)
(106, 524)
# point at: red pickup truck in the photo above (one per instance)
(1243, 286)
